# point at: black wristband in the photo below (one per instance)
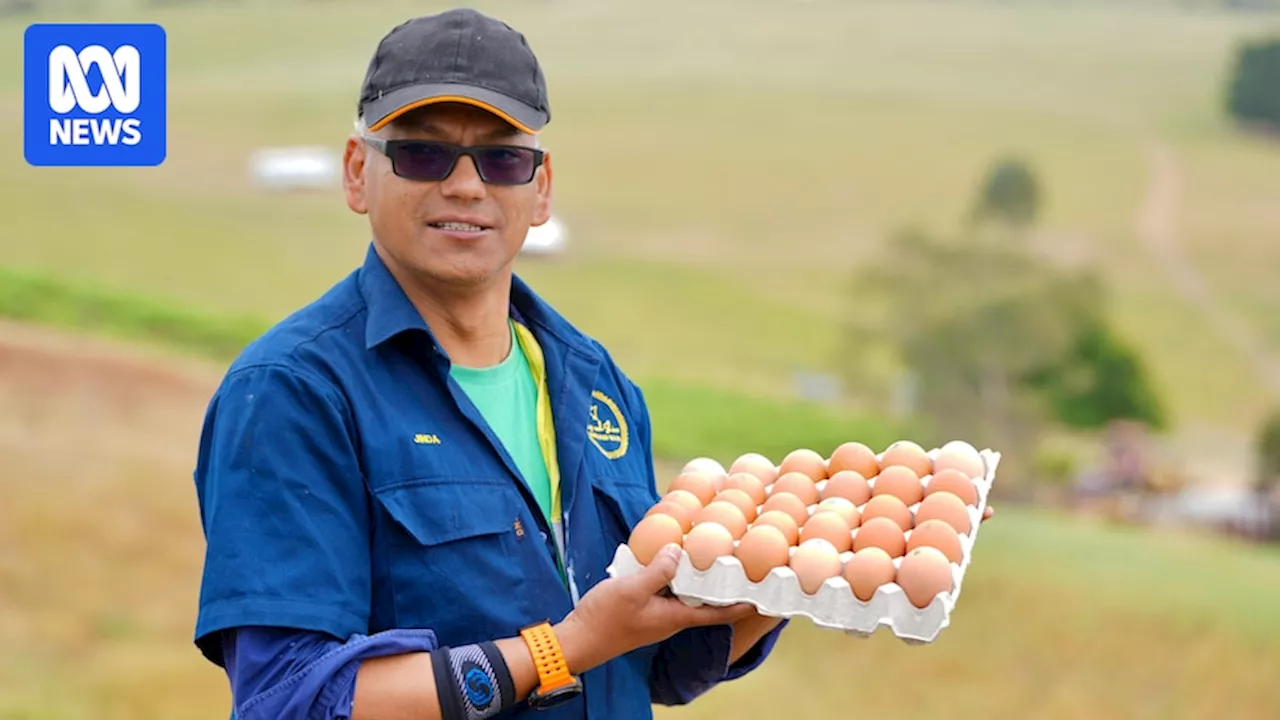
(473, 682)
(498, 665)
(446, 689)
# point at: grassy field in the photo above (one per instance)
(1059, 618)
(743, 159)
(722, 166)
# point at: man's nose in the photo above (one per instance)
(464, 182)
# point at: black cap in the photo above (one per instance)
(461, 56)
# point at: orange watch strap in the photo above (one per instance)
(553, 671)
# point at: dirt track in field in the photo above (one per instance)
(100, 544)
(1158, 227)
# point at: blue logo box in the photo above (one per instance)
(94, 95)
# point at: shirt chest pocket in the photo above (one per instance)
(621, 504)
(455, 553)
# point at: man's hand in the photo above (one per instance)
(986, 514)
(622, 614)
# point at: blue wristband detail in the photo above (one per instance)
(482, 680)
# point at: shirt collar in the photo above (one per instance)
(391, 313)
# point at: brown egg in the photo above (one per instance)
(749, 484)
(652, 534)
(814, 562)
(724, 513)
(883, 533)
(908, 454)
(707, 543)
(699, 484)
(843, 508)
(684, 497)
(937, 534)
(797, 484)
(755, 464)
(783, 522)
(923, 574)
(946, 507)
(704, 465)
(960, 455)
(867, 570)
(805, 461)
(954, 482)
(789, 504)
(761, 550)
(901, 482)
(830, 527)
(740, 499)
(856, 457)
(681, 513)
(888, 506)
(847, 484)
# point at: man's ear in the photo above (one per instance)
(542, 209)
(353, 175)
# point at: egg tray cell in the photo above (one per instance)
(834, 606)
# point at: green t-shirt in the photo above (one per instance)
(507, 396)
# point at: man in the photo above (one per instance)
(406, 513)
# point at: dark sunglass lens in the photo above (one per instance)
(507, 166)
(424, 160)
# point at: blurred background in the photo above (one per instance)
(1047, 228)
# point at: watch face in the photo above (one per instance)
(557, 697)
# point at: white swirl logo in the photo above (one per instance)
(69, 86)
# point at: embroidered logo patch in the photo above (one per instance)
(607, 429)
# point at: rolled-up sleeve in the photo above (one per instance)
(283, 674)
(283, 508)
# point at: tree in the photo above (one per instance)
(1101, 379)
(1267, 473)
(1010, 194)
(1253, 93)
(1001, 343)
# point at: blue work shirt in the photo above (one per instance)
(355, 503)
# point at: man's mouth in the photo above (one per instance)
(458, 226)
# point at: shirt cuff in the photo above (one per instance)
(693, 661)
(756, 655)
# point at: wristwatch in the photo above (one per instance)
(556, 685)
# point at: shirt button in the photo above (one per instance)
(544, 535)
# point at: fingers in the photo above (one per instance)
(660, 572)
(988, 513)
(711, 615)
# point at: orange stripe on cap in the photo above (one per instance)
(451, 98)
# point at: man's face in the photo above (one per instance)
(421, 227)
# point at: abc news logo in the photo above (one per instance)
(95, 95)
(69, 91)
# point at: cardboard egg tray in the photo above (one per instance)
(834, 606)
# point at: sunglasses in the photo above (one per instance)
(433, 160)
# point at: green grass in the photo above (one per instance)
(47, 301)
(690, 422)
(749, 172)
